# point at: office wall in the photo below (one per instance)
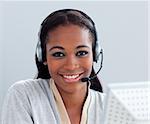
(148, 41)
(1, 74)
(122, 30)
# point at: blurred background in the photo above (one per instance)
(122, 29)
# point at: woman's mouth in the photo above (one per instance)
(71, 77)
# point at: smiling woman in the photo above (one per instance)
(69, 57)
(65, 54)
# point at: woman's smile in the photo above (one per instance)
(70, 78)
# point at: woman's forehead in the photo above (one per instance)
(66, 44)
(69, 37)
(69, 33)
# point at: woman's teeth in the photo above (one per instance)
(71, 76)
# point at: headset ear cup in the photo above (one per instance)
(39, 52)
(97, 51)
(94, 55)
(39, 46)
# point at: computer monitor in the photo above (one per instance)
(127, 103)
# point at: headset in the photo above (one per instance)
(97, 50)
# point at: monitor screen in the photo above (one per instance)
(127, 103)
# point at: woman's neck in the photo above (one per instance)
(74, 100)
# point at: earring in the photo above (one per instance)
(45, 63)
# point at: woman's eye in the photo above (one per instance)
(81, 53)
(58, 54)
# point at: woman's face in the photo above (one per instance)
(69, 57)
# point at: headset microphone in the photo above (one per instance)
(86, 79)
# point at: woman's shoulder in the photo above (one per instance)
(29, 85)
(97, 95)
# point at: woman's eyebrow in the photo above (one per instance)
(82, 46)
(56, 47)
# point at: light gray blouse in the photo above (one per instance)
(32, 102)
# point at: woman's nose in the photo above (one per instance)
(71, 63)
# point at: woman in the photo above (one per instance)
(65, 54)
